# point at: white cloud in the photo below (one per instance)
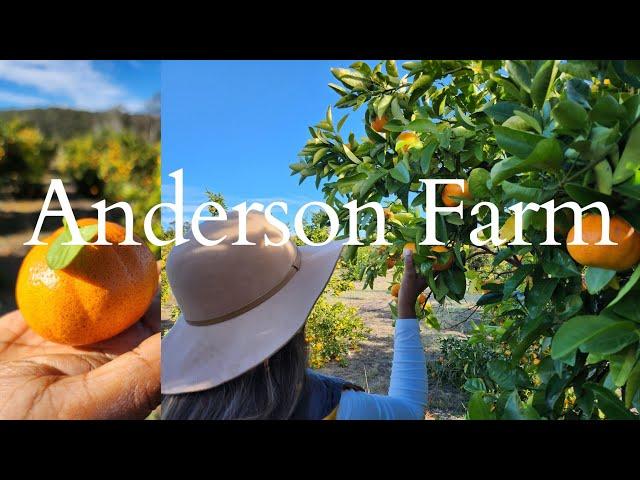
(21, 100)
(76, 83)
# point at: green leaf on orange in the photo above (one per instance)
(60, 256)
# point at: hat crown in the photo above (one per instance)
(215, 283)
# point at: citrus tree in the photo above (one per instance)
(24, 157)
(118, 167)
(515, 131)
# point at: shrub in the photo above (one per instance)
(24, 157)
(117, 167)
(459, 360)
(332, 330)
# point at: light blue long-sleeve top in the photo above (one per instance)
(407, 397)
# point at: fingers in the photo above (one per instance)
(125, 388)
(151, 318)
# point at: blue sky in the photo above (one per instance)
(235, 126)
(79, 84)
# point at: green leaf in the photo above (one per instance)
(522, 194)
(515, 410)
(478, 409)
(501, 111)
(633, 385)
(529, 120)
(489, 299)
(630, 160)
(578, 91)
(584, 195)
(607, 111)
(395, 125)
(538, 297)
(578, 68)
(319, 154)
(419, 87)
(401, 172)
(60, 256)
(633, 279)
(351, 78)
(365, 185)
(351, 155)
(464, 119)
(382, 105)
(505, 375)
(543, 82)
(349, 253)
(426, 155)
(571, 305)
(341, 122)
(621, 364)
(532, 330)
(592, 333)
(560, 265)
(604, 177)
(390, 66)
(620, 68)
(570, 115)
(473, 385)
(546, 156)
(422, 125)
(456, 281)
(516, 142)
(597, 278)
(632, 107)
(478, 179)
(609, 403)
(520, 74)
(516, 279)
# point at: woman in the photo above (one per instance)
(238, 349)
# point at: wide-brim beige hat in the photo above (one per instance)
(240, 304)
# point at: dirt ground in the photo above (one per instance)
(370, 365)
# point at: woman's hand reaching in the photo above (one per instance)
(411, 286)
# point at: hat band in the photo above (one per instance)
(251, 305)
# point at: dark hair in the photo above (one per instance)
(269, 391)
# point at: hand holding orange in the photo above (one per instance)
(103, 291)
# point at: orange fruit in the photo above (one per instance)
(379, 123)
(422, 299)
(388, 214)
(395, 288)
(105, 289)
(411, 139)
(438, 267)
(411, 246)
(613, 257)
(451, 190)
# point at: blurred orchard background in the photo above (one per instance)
(95, 125)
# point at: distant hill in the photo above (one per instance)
(62, 124)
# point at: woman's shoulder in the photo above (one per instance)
(321, 395)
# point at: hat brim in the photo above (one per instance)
(196, 358)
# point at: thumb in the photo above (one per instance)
(127, 387)
(409, 267)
